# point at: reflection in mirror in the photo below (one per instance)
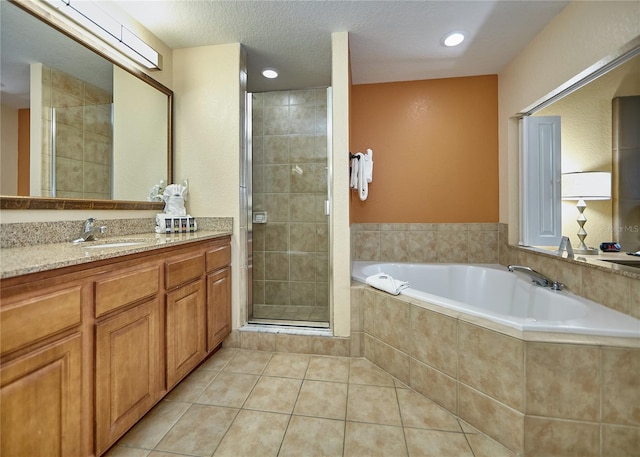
(75, 126)
(589, 143)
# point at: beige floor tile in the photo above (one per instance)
(364, 372)
(166, 454)
(432, 443)
(373, 404)
(219, 359)
(287, 365)
(483, 446)
(468, 428)
(192, 386)
(372, 440)
(121, 451)
(199, 430)
(250, 362)
(154, 425)
(322, 399)
(254, 433)
(277, 395)
(313, 437)
(325, 368)
(228, 389)
(418, 412)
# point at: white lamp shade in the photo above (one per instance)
(587, 185)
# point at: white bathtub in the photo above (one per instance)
(492, 292)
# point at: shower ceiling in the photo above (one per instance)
(389, 40)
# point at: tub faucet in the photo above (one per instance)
(536, 278)
(88, 231)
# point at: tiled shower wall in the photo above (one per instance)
(290, 251)
(83, 136)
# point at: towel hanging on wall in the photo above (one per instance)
(361, 173)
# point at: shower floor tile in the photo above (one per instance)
(244, 403)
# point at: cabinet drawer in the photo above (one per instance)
(128, 287)
(183, 269)
(40, 316)
(218, 257)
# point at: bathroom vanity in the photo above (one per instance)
(88, 348)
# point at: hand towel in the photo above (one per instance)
(363, 187)
(355, 167)
(368, 165)
(386, 283)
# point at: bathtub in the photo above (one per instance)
(492, 292)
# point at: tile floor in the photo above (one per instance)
(243, 403)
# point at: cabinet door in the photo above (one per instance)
(128, 377)
(41, 401)
(185, 330)
(218, 307)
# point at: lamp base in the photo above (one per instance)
(587, 251)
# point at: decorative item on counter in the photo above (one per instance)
(174, 196)
(175, 224)
(175, 218)
(156, 192)
(609, 246)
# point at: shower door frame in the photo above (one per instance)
(248, 170)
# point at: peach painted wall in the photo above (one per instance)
(435, 150)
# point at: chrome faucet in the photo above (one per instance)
(536, 278)
(88, 231)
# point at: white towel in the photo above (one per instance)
(355, 168)
(368, 165)
(363, 187)
(386, 283)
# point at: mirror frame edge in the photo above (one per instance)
(11, 202)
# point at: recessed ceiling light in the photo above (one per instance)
(453, 39)
(270, 73)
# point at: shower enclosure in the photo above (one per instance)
(288, 223)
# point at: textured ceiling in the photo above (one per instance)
(389, 40)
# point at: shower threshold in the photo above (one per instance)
(289, 323)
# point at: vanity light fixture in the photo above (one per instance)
(270, 73)
(453, 39)
(109, 30)
(581, 186)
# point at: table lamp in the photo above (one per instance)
(581, 186)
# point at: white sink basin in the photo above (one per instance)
(118, 244)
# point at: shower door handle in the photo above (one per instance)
(327, 208)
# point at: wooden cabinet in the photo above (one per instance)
(185, 330)
(218, 307)
(87, 350)
(128, 375)
(218, 259)
(41, 375)
(41, 401)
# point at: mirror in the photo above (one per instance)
(587, 125)
(78, 131)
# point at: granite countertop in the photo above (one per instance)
(18, 261)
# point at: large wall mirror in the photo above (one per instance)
(78, 131)
(599, 118)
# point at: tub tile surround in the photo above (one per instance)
(487, 243)
(537, 394)
(536, 398)
(425, 243)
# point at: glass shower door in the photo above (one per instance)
(289, 228)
